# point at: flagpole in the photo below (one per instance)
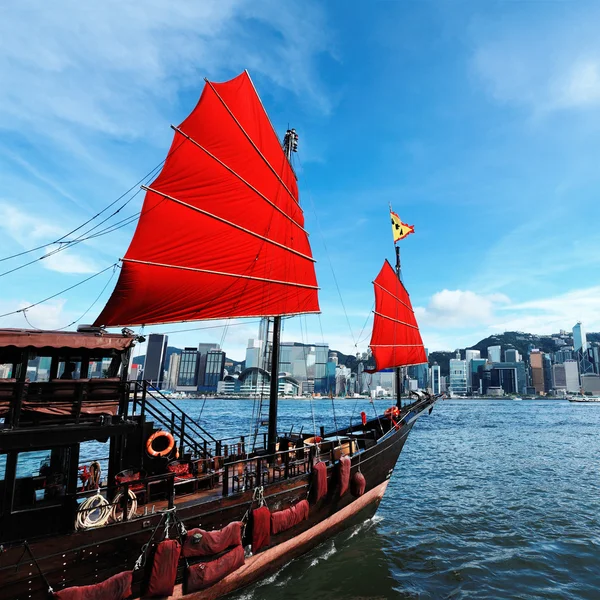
(397, 370)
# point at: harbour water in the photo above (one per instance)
(490, 499)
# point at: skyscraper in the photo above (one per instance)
(435, 377)
(458, 376)
(536, 361)
(156, 352)
(579, 338)
(511, 355)
(571, 375)
(494, 354)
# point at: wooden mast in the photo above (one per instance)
(290, 144)
(397, 369)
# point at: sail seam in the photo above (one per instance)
(209, 271)
(230, 223)
(251, 140)
(394, 296)
(396, 320)
(396, 346)
(277, 208)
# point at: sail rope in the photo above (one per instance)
(68, 243)
(20, 310)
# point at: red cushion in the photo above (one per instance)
(205, 574)
(117, 587)
(344, 471)
(319, 481)
(261, 528)
(164, 568)
(199, 542)
(282, 520)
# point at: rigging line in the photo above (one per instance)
(68, 244)
(252, 141)
(59, 240)
(235, 174)
(365, 324)
(83, 315)
(331, 265)
(14, 312)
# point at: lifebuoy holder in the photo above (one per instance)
(159, 449)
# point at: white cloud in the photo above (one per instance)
(108, 67)
(457, 308)
(50, 315)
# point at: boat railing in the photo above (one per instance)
(263, 469)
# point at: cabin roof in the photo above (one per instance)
(37, 338)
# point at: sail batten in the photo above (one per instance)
(219, 235)
(239, 177)
(396, 340)
(230, 223)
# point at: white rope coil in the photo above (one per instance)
(93, 512)
(116, 514)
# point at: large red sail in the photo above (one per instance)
(396, 340)
(221, 233)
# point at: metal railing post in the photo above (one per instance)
(225, 480)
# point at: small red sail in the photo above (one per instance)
(396, 340)
(221, 233)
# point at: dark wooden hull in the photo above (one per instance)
(91, 556)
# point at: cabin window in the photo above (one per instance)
(41, 478)
(6, 370)
(69, 369)
(99, 367)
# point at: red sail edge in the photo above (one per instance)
(221, 233)
(396, 340)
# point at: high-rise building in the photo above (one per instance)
(477, 368)
(547, 373)
(559, 378)
(494, 354)
(173, 371)
(579, 338)
(434, 378)
(254, 354)
(213, 372)
(154, 365)
(511, 355)
(536, 362)
(458, 376)
(471, 354)
(187, 374)
(571, 375)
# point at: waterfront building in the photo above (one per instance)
(254, 354)
(187, 373)
(561, 355)
(559, 378)
(590, 383)
(581, 349)
(173, 371)
(458, 376)
(434, 378)
(213, 372)
(571, 375)
(511, 355)
(154, 364)
(510, 377)
(536, 362)
(476, 374)
(547, 372)
(471, 354)
(494, 354)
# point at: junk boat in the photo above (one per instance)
(134, 497)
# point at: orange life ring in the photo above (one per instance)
(157, 435)
(392, 412)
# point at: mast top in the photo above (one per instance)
(290, 143)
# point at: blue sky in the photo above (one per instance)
(478, 121)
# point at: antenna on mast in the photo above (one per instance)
(290, 143)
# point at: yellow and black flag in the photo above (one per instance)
(399, 229)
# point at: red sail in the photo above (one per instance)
(221, 232)
(396, 340)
